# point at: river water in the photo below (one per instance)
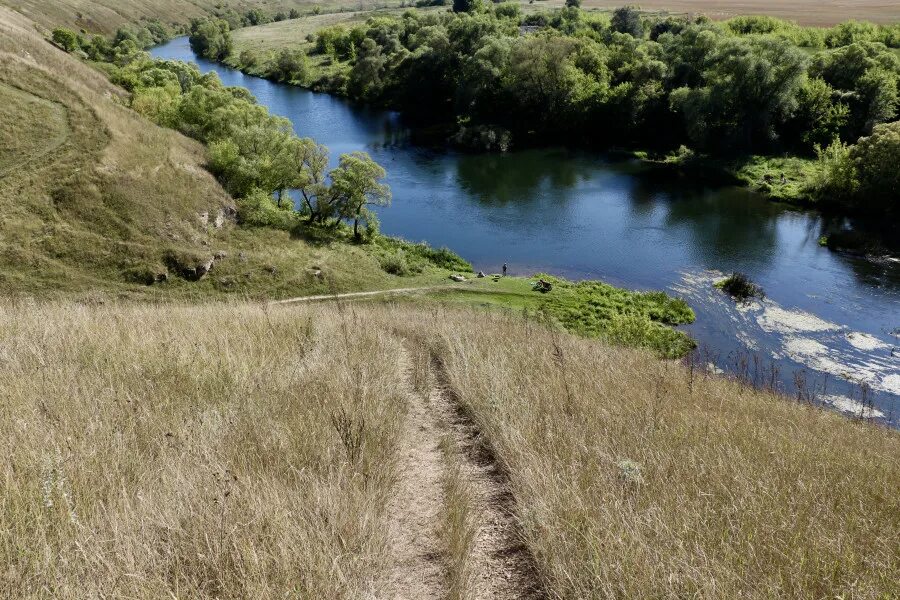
(830, 319)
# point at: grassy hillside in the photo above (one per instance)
(105, 16)
(322, 451)
(95, 199)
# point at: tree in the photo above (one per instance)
(750, 87)
(573, 3)
(461, 6)
(66, 39)
(311, 161)
(211, 38)
(291, 66)
(355, 186)
(294, 14)
(627, 19)
(365, 79)
(877, 162)
(820, 116)
(255, 17)
(835, 180)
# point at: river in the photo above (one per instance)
(832, 319)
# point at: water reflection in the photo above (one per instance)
(520, 177)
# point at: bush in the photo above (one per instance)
(396, 264)
(876, 160)
(740, 287)
(66, 39)
(418, 254)
(290, 66)
(627, 19)
(835, 180)
(258, 209)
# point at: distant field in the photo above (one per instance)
(805, 12)
(107, 15)
(294, 31)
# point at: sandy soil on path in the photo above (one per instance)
(499, 563)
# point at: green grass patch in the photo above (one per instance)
(764, 174)
(588, 308)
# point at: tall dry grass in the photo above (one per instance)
(634, 479)
(194, 452)
(238, 452)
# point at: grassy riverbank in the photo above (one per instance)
(588, 308)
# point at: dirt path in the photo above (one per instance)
(352, 295)
(498, 564)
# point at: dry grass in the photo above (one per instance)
(805, 12)
(458, 529)
(87, 187)
(105, 16)
(203, 452)
(636, 480)
(230, 451)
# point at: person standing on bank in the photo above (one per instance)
(504, 269)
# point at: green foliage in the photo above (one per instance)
(642, 319)
(256, 155)
(820, 114)
(743, 87)
(836, 181)
(573, 3)
(356, 185)
(396, 264)
(852, 32)
(66, 39)
(866, 75)
(627, 19)
(466, 6)
(255, 17)
(876, 159)
(211, 38)
(750, 86)
(259, 209)
(442, 258)
(510, 10)
(290, 66)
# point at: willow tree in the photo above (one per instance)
(356, 186)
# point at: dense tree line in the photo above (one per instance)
(750, 85)
(256, 155)
(127, 43)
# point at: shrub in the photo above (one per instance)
(258, 209)
(835, 180)
(395, 264)
(876, 160)
(740, 287)
(66, 39)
